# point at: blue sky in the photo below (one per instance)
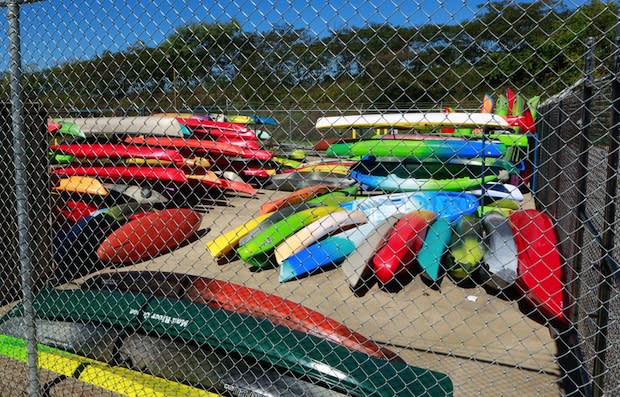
(58, 31)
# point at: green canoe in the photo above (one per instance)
(301, 355)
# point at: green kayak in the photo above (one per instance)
(257, 251)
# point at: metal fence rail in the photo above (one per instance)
(194, 198)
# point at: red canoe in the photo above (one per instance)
(149, 236)
(402, 245)
(218, 128)
(540, 266)
(109, 150)
(244, 300)
(201, 145)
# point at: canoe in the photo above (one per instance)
(327, 225)
(466, 247)
(83, 185)
(164, 359)
(199, 146)
(336, 248)
(500, 263)
(401, 246)
(293, 181)
(237, 298)
(540, 270)
(130, 125)
(152, 235)
(357, 266)
(109, 150)
(215, 128)
(227, 242)
(114, 379)
(427, 148)
(403, 175)
(296, 197)
(258, 252)
(305, 356)
(422, 121)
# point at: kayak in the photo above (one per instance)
(82, 184)
(149, 236)
(327, 225)
(313, 359)
(540, 269)
(357, 266)
(154, 174)
(115, 379)
(466, 247)
(401, 246)
(258, 252)
(128, 125)
(426, 148)
(296, 197)
(293, 181)
(378, 209)
(420, 121)
(499, 270)
(221, 294)
(402, 175)
(109, 150)
(202, 146)
(227, 242)
(274, 217)
(430, 256)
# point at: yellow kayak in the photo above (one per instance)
(82, 184)
(226, 242)
(118, 380)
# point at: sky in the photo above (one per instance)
(59, 31)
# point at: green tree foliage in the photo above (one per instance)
(535, 47)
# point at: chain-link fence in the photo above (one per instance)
(309, 198)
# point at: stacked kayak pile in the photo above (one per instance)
(389, 238)
(229, 150)
(188, 335)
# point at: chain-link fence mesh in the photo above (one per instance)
(309, 198)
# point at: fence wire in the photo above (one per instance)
(309, 198)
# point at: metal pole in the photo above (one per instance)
(17, 106)
(582, 174)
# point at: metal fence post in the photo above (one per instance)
(609, 222)
(582, 172)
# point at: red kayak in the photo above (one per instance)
(109, 150)
(156, 233)
(540, 266)
(244, 300)
(218, 128)
(402, 245)
(155, 174)
(241, 142)
(201, 145)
